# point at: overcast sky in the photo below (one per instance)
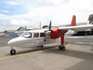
(31, 12)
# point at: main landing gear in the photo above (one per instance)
(12, 51)
(61, 47)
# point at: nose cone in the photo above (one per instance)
(15, 41)
(11, 42)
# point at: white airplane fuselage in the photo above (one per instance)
(27, 41)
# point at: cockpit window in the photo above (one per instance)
(27, 35)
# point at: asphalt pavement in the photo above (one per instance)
(4, 40)
(75, 57)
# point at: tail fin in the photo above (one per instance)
(73, 22)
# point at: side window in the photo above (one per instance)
(42, 34)
(36, 35)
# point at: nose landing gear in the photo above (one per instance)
(12, 51)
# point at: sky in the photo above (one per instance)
(16, 13)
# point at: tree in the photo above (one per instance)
(44, 26)
(90, 18)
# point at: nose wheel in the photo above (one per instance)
(62, 47)
(40, 46)
(12, 51)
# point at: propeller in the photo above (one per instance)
(47, 33)
(50, 26)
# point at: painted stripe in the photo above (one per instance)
(68, 44)
(13, 56)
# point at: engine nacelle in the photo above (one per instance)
(47, 33)
(54, 33)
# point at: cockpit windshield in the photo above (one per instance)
(27, 34)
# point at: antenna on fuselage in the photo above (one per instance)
(40, 24)
(25, 28)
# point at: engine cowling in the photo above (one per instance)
(47, 33)
(56, 33)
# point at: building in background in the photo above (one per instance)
(2, 33)
(20, 30)
(10, 33)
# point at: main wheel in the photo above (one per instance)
(41, 46)
(13, 51)
(62, 48)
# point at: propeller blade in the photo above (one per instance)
(50, 26)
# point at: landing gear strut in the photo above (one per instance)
(62, 47)
(12, 51)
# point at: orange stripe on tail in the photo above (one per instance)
(73, 22)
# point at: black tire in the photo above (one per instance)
(60, 48)
(41, 46)
(63, 48)
(13, 52)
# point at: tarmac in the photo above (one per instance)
(75, 57)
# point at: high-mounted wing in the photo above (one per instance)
(60, 31)
(77, 28)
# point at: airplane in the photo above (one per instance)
(34, 38)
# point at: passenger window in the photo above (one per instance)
(42, 34)
(36, 35)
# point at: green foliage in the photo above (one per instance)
(90, 17)
(44, 26)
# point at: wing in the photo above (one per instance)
(77, 28)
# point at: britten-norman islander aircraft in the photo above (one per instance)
(41, 37)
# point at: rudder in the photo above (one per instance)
(73, 22)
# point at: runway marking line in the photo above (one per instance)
(12, 56)
(68, 44)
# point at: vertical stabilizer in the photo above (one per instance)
(73, 22)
